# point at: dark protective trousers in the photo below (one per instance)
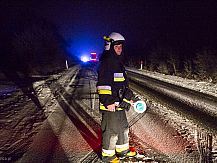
(115, 129)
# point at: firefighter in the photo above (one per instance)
(115, 97)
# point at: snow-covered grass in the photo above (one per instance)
(186, 127)
(201, 86)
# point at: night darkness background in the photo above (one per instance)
(170, 36)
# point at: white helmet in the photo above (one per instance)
(114, 38)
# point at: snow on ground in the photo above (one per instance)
(195, 134)
(20, 117)
(20, 120)
(201, 86)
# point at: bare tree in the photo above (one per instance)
(173, 60)
(164, 59)
(206, 63)
(188, 68)
(154, 60)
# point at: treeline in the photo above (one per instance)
(31, 44)
(201, 64)
(181, 41)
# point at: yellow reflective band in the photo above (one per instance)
(121, 148)
(126, 100)
(108, 153)
(105, 92)
(119, 79)
(102, 107)
(119, 109)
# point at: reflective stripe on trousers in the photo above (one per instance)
(115, 131)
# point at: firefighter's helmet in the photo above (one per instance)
(114, 38)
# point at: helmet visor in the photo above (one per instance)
(118, 42)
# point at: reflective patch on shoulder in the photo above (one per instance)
(119, 77)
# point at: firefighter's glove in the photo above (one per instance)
(125, 105)
(135, 98)
(128, 94)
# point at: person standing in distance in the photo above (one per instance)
(115, 97)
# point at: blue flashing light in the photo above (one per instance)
(84, 59)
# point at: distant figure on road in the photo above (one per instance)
(115, 97)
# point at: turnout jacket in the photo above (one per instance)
(112, 83)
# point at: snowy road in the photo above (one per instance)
(71, 131)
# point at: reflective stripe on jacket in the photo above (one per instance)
(111, 78)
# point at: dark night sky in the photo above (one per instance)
(142, 22)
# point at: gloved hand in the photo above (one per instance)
(135, 98)
(125, 105)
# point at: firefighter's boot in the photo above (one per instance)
(111, 159)
(127, 154)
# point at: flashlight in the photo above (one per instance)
(140, 106)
